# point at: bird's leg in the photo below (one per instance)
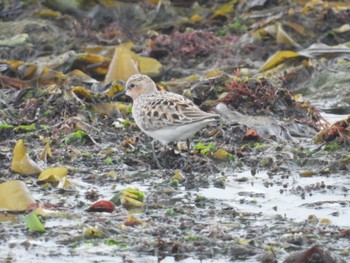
(188, 143)
(155, 159)
(166, 152)
(187, 160)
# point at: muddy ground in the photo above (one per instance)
(261, 185)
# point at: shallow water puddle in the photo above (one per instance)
(253, 196)
(332, 118)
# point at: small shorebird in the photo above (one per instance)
(164, 116)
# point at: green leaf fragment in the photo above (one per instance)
(77, 137)
(135, 193)
(333, 146)
(108, 160)
(33, 223)
(118, 243)
(26, 128)
(5, 126)
(204, 149)
(129, 196)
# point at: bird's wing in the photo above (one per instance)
(167, 109)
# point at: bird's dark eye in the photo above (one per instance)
(132, 85)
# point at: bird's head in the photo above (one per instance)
(139, 84)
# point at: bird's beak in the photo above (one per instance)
(120, 93)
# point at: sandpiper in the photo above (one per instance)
(164, 116)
